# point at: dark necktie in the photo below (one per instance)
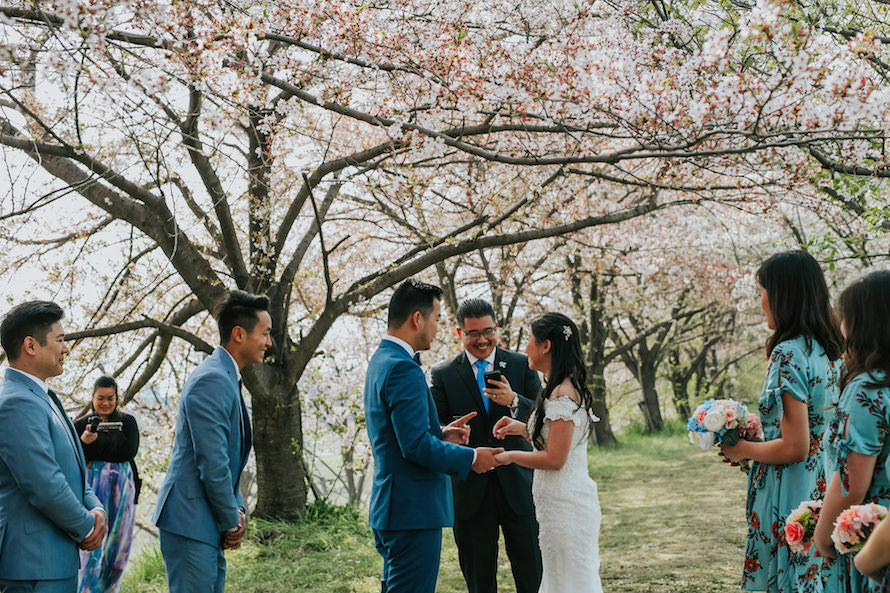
(246, 436)
(480, 380)
(417, 357)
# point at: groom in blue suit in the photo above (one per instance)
(200, 512)
(413, 456)
(46, 509)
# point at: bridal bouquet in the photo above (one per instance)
(801, 524)
(723, 421)
(854, 525)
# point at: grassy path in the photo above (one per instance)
(673, 522)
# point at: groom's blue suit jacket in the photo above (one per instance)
(410, 489)
(199, 498)
(44, 502)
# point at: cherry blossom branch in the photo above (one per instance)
(164, 328)
(157, 223)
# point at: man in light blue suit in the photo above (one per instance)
(46, 510)
(200, 512)
(413, 456)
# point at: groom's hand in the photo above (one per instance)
(458, 432)
(485, 459)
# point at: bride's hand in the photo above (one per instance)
(507, 427)
(504, 458)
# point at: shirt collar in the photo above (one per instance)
(489, 359)
(400, 342)
(234, 364)
(40, 382)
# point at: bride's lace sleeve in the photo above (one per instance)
(559, 408)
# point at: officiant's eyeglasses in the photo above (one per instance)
(475, 334)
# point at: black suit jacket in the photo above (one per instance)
(456, 393)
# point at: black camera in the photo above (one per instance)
(93, 421)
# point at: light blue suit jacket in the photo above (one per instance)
(44, 500)
(411, 488)
(199, 498)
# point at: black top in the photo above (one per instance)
(112, 445)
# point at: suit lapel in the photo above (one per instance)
(69, 432)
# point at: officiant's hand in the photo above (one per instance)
(458, 432)
(486, 459)
(499, 392)
(508, 426)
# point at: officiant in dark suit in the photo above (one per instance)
(500, 500)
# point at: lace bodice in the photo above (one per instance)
(567, 508)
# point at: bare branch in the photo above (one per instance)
(165, 328)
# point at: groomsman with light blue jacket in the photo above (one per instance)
(46, 509)
(413, 455)
(200, 512)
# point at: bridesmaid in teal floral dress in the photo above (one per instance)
(801, 386)
(857, 443)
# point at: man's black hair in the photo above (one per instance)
(411, 296)
(474, 309)
(239, 309)
(34, 318)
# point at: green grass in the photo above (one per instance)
(673, 522)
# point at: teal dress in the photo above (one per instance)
(806, 373)
(865, 410)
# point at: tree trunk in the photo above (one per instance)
(679, 377)
(649, 406)
(681, 398)
(277, 435)
(601, 433)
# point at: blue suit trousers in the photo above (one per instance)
(410, 559)
(192, 566)
(53, 586)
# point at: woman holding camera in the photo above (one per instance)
(110, 439)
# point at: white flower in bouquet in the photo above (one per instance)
(714, 419)
(705, 440)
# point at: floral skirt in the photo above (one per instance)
(101, 570)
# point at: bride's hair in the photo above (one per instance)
(566, 361)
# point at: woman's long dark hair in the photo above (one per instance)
(865, 308)
(799, 302)
(566, 361)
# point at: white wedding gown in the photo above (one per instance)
(568, 510)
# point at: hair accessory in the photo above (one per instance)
(567, 332)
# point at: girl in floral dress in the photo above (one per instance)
(857, 442)
(801, 386)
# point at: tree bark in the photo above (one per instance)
(649, 405)
(277, 436)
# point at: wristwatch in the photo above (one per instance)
(514, 405)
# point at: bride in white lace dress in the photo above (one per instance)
(566, 503)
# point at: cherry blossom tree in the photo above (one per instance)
(322, 152)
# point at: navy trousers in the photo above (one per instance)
(410, 559)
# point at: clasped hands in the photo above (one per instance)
(94, 539)
(458, 432)
(231, 539)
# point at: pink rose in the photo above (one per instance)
(794, 533)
